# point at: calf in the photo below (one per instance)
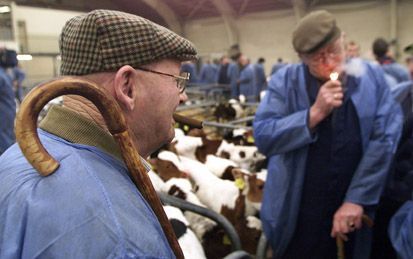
(191, 247)
(165, 165)
(221, 167)
(182, 188)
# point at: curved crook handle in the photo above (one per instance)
(340, 243)
(45, 164)
(26, 119)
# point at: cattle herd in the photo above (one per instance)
(219, 174)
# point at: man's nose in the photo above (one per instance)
(183, 97)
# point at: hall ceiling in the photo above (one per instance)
(184, 10)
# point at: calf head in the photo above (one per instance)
(256, 189)
(209, 147)
(166, 169)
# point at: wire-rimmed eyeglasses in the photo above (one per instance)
(181, 80)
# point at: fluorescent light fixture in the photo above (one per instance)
(24, 57)
(5, 9)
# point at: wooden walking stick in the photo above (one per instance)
(40, 159)
(340, 241)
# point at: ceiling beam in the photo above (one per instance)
(243, 6)
(228, 15)
(198, 6)
(300, 9)
(167, 14)
(393, 27)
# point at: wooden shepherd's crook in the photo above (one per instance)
(340, 243)
(40, 159)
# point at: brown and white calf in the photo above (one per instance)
(191, 246)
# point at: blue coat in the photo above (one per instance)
(89, 208)
(401, 231)
(208, 74)
(281, 133)
(233, 74)
(277, 66)
(397, 71)
(7, 111)
(247, 83)
(261, 80)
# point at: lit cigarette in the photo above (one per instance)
(334, 76)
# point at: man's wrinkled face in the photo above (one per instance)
(158, 97)
(326, 60)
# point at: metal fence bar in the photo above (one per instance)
(221, 220)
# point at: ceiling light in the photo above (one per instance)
(24, 57)
(5, 9)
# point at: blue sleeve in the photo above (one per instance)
(19, 75)
(369, 179)
(276, 129)
(401, 231)
(246, 76)
(273, 69)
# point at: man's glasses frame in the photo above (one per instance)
(181, 80)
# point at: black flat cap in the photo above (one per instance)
(314, 31)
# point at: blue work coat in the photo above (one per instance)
(260, 79)
(247, 83)
(397, 71)
(7, 111)
(89, 208)
(282, 133)
(208, 74)
(277, 66)
(401, 231)
(233, 74)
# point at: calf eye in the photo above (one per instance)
(242, 154)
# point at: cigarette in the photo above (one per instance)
(188, 121)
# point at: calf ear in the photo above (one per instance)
(252, 179)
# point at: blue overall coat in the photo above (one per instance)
(281, 133)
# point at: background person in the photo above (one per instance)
(329, 149)
(7, 104)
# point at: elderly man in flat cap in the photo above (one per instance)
(89, 208)
(330, 144)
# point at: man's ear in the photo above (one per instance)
(125, 89)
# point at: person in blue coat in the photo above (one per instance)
(390, 66)
(401, 231)
(277, 66)
(89, 207)
(209, 73)
(189, 67)
(246, 82)
(7, 103)
(330, 144)
(260, 78)
(223, 71)
(234, 69)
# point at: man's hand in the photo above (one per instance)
(346, 219)
(329, 96)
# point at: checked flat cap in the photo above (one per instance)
(314, 31)
(105, 40)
